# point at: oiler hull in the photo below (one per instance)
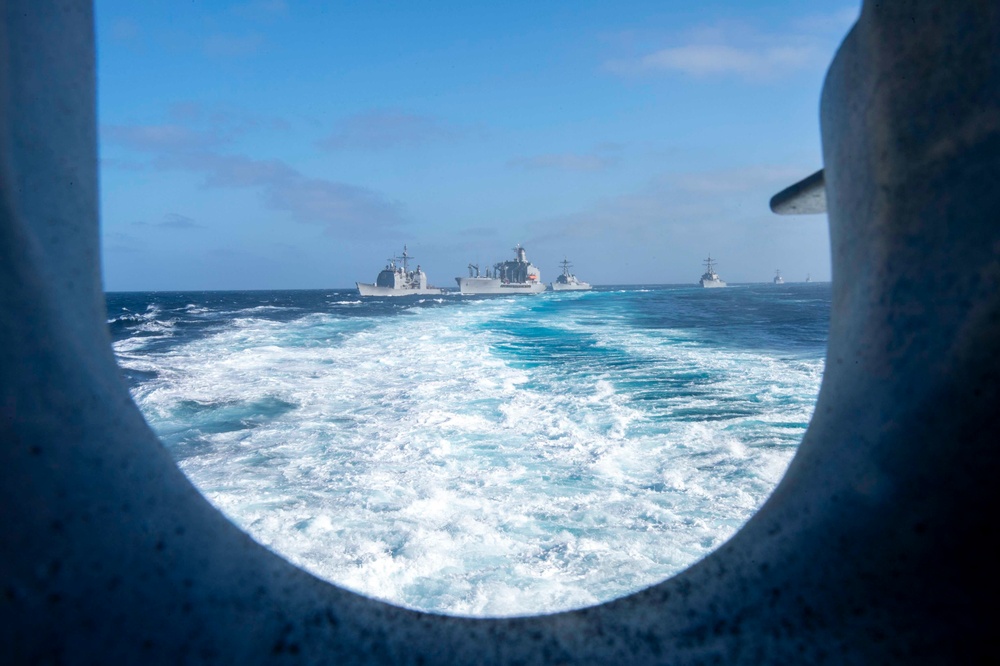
(493, 286)
(369, 289)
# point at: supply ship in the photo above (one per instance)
(517, 276)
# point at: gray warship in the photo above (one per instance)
(710, 278)
(396, 279)
(777, 278)
(507, 277)
(567, 281)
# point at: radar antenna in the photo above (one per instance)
(405, 258)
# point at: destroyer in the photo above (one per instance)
(777, 278)
(567, 281)
(710, 278)
(398, 280)
(507, 277)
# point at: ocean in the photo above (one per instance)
(481, 456)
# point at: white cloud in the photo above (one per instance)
(232, 46)
(562, 162)
(676, 204)
(125, 30)
(753, 62)
(159, 138)
(342, 208)
(261, 10)
(381, 129)
(741, 51)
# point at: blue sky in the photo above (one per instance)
(276, 144)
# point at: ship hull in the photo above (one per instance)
(582, 286)
(712, 284)
(369, 289)
(493, 286)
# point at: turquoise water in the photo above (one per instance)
(481, 456)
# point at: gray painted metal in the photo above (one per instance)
(808, 196)
(516, 276)
(566, 281)
(710, 279)
(873, 549)
(396, 279)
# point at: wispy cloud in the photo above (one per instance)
(261, 10)
(192, 127)
(120, 242)
(125, 30)
(675, 205)
(344, 209)
(172, 221)
(742, 51)
(382, 129)
(662, 230)
(562, 162)
(232, 46)
(836, 23)
(757, 62)
(161, 138)
(122, 165)
(736, 181)
(224, 122)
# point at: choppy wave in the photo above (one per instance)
(489, 456)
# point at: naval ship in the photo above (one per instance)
(567, 281)
(777, 278)
(507, 277)
(396, 279)
(710, 278)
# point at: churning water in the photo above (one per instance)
(481, 456)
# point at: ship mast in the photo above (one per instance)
(406, 257)
(709, 264)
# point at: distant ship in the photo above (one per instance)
(710, 278)
(777, 278)
(808, 279)
(398, 280)
(567, 281)
(507, 277)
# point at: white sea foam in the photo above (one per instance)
(412, 458)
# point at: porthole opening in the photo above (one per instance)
(467, 454)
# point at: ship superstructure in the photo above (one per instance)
(396, 279)
(517, 276)
(567, 281)
(710, 278)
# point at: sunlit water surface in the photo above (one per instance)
(481, 456)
